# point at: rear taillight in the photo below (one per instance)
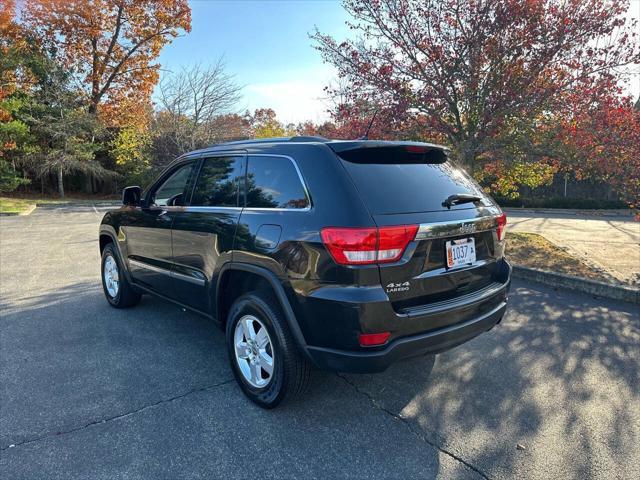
(392, 241)
(366, 246)
(502, 226)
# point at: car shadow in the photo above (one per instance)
(536, 380)
(69, 360)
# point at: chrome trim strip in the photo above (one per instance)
(187, 278)
(276, 209)
(147, 266)
(428, 231)
(202, 208)
(211, 209)
(192, 209)
(445, 271)
(197, 281)
(164, 209)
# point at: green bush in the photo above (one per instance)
(561, 202)
(9, 178)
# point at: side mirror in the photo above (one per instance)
(131, 196)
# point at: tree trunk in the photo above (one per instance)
(466, 154)
(469, 160)
(60, 183)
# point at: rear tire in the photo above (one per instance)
(287, 376)
(117, 289)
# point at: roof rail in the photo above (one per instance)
(252, 140)
(301, 138)
(309, 138)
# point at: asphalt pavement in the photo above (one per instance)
(87, 391)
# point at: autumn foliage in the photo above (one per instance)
(13, 47)
(604, 142)
(521, 91)
(485, 76)
(111, 45)
(74, 74)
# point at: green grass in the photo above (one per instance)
(21, 204)
(15, 205)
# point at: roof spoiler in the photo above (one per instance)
(390, 152)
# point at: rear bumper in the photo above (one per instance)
(430, 342)
(335, 317)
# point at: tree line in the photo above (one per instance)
(520, 91)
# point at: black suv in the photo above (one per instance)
(343, 255)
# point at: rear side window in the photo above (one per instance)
(398, 185)
(273, 182)
(217, 184)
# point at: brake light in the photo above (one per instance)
(416, 149)
(366, 246)
(502, 226)
(371, 339)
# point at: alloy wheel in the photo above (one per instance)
(253, 351)
(111, 277)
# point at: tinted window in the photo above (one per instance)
(173, 190)
(273, 182)
(410, 187)
(217, 184)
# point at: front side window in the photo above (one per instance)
(273, 182)
(217, 184)
(173, 192)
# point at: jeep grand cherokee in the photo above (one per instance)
(342, 255)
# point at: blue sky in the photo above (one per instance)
(266, 45)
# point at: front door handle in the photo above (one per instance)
(163, 216)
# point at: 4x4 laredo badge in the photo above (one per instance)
(397, 287)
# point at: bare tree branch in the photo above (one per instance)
(194, 97)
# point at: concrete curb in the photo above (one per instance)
(572, 211)
(559, 280)
(28, 211)
(102, 203)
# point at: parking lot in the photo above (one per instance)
(88, 391)
(610, 243)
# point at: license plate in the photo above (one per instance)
(460, 252)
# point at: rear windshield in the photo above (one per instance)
(397, 186)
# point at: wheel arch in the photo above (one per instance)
(266, 279)
(108, 235)
(105, 239)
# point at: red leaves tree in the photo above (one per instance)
(470, 70)
(603, 142)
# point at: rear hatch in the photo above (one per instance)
(416, 184)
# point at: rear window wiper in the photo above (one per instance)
(458, 198)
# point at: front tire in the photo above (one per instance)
(263, 355)
(116, 287)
